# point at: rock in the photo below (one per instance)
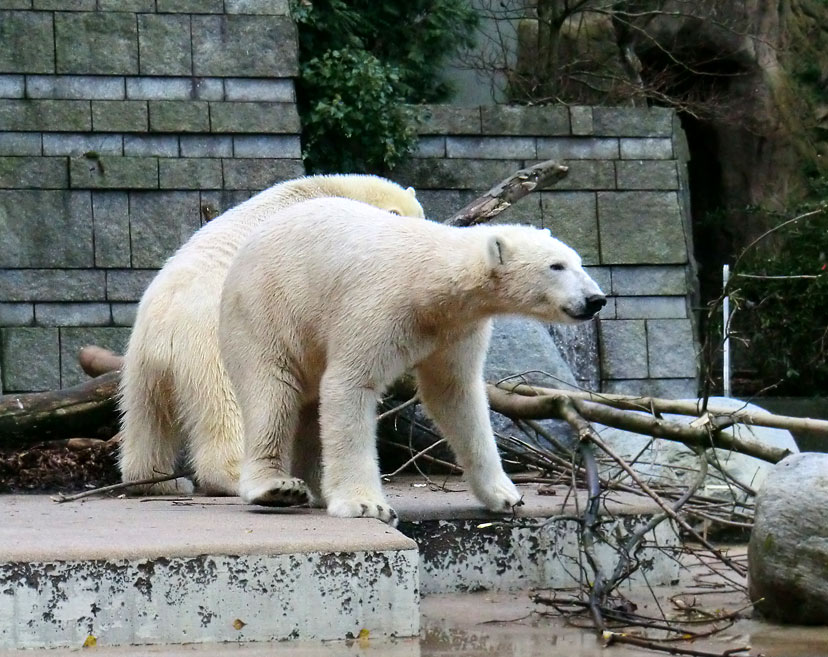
(665, 461)
(525, 347)
(788, 551)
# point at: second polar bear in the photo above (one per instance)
(174, 390)
(329, 302)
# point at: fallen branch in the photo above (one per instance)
(679, 407)
(506, 193)
(60, 498)
(81, 410)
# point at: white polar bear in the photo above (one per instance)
(331, 300)
(174, 389)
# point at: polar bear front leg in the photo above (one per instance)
(452, 389)
(351, 482)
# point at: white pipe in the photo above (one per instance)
(726, 332)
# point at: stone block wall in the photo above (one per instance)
(624, 206)
(126, 124)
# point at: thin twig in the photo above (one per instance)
(60, 498)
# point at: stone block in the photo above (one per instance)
(588, 175)
(72, 340)
(572, 218)
(449, 120)
(160, 222)
(123, 314)
(110, 212)
(41, 228)
(190, 173)
(75, 87)
(269, 7)
(491, 148)
(107, 172)
(164, 44)
(620, 218)
(663, 388)
(623, 347)
(129, 284)
(439, 205)
(522, 120)
(31, 359)
(247, 89)
(259, 46)
(577, 148)
(602, 276)
(671, 348)
(259, 174)
(648, 281)
(75, 144)
(51, 285)
(15, 4)
(56, 115)
(119, 115)
(16, 314)
(632, 122)
(651, 307)
(143, 6)
(214, 203)
(20, 143)
(206, 146)
(580, 119)
(158, 88)
(646, 174)
(528, 212)
(428, 173)
(72, 314)
(151, 145)
(96, 43)
(429, 146)
(65, 5)
(12, 86)
(647, 149)
(28, 42)
(254, 117)
(190, 6)
(277, 146)
(179, 116)
(33, 173)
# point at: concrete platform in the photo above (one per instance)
(164, 570)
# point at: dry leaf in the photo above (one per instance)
(90, 642)
(239, 623)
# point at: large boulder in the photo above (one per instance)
(788, 551)
(669, 462)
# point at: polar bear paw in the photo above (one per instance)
(498, 493)
(275, 491)
(363, 508)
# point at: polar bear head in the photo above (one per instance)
(537, 275)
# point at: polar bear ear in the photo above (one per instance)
(495, 248)
(411, 191)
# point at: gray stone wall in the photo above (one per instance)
(126, 124)
(624, 206)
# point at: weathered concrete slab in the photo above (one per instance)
(163, 571)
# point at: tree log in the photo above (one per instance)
(679, 407)
(96, 360)
(82, 410)
(506, 193)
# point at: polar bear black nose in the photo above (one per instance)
(594, 304)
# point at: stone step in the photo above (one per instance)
(173, 571)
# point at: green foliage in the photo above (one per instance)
(785, 321)
(361, 62)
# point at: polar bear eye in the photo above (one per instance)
(557, 267)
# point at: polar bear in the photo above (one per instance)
(331, 300)
(174, 390)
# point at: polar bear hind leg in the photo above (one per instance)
(152, 440)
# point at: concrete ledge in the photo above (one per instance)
(162, 571)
